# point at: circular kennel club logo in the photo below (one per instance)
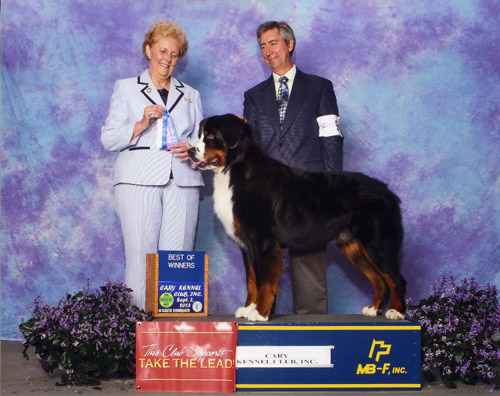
(166, 300)
(197, 306)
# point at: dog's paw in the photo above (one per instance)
(243, 312)
(255, 316)
(394, 315)
(369, 311)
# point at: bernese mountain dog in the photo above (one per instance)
(266, 206)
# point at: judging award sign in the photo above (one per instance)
(176, 283)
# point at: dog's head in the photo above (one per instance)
(220, 137)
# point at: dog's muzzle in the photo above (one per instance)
(192, 156)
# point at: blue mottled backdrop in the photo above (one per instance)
(418, 88)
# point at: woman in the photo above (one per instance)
(156, 191)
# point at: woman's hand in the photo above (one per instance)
(151, 113)
(180, 150)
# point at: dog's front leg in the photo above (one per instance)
(251, 302)
(270, 271)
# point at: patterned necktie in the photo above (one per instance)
(283, 98)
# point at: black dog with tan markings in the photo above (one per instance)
(265, 206)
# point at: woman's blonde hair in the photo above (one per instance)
(165, 29)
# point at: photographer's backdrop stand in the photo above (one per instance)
(417, 87)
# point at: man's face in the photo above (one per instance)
(276, 52)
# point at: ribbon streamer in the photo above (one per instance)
(167, 131)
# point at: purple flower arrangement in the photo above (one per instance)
(460, 332)
(88, 335)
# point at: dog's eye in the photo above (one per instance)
(209, 136)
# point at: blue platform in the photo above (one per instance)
(327, 353)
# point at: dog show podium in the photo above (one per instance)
(328, 352)
(309, 353)
(186, 350)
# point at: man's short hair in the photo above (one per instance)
(285, 31)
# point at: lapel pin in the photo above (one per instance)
(188, 99)
(148, 90)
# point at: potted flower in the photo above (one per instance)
(89, 335)
(460, 332)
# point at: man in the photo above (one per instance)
(295, 118)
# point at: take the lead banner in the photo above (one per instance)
(185, 356)
(176, 283)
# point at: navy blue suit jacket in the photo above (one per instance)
(298, 143)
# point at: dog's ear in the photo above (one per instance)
(233, 128)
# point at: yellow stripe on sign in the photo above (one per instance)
(326, 328)
(325, 386)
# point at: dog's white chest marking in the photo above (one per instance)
(223, 204)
